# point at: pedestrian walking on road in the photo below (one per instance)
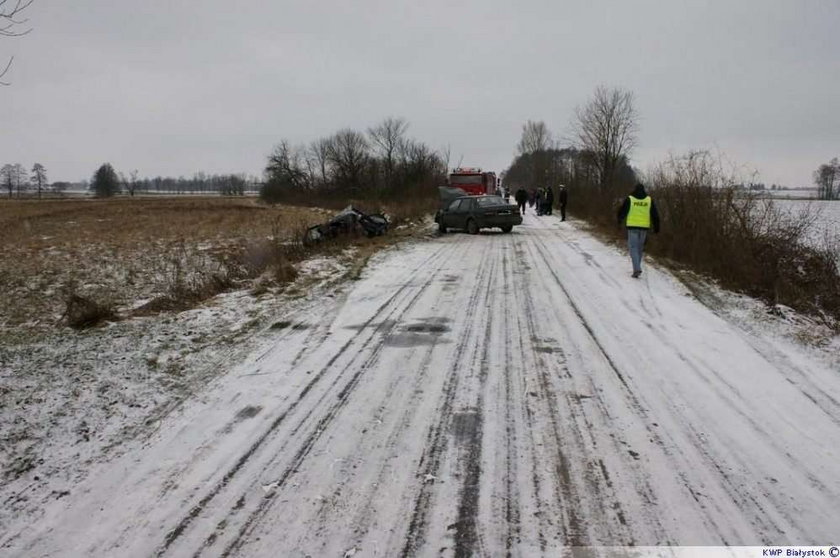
(562, 198)
(639, 215)
(521, 197)
(540, 202)
(549, 200)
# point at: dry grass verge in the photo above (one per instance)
(130, 255)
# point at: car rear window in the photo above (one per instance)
(490, 200)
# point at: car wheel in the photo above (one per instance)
(472, 226)
(507, 228)
(441, 228)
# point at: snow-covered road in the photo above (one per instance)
(481, 395)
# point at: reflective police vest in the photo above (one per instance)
(639, 214)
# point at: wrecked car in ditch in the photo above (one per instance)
(350, 221)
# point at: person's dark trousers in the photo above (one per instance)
(522, 207)
(562, 212)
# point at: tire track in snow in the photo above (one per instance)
(436, 439)
(380, 333)
(595, 476)
(512, 501)
(765, 519)
(574, 531)
(542, 506)
(827, 403)
(467, 537)
(770, 514)
(743, 495)
(364, 514)
(541, 253)
(320, 333)
(539, 245)
(175, 533)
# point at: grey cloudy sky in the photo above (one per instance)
(175, 87)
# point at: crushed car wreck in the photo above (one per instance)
(350, 221)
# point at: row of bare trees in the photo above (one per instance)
(199, 183)
(383, 163)
(107, 182)
(17, 180)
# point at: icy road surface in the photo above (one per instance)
(480, 395)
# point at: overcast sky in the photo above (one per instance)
(174, 87)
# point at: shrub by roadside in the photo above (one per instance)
(748, 244)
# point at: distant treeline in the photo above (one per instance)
(200, 183)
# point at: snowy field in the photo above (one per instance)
(469, 395)
(827, 225)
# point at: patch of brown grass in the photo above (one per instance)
(176, 251)
(83, 312)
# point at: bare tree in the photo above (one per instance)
(535, 138)
(285, 166)
(20, 178)
(349, 154)
(320, 152)
(418, 160)
(7, 175)
(10, 22)
(606, 128)
(130, 183)
(445, 154)
(535, 145)
(387, 137)
(827, 179)
(39, 177)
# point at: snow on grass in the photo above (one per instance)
(778, 322)
(69, 398)
(826, 223)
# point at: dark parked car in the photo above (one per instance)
(472, 213)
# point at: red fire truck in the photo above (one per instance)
(473, 181)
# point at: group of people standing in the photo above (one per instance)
(542, 200)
